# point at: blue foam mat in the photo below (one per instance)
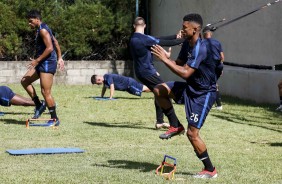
(33, 151)
(2, 113)
(103, 98)
(41, 125)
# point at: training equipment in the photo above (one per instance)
(244, 15)
(2, 114)
(50, 123)
(35, 151)
(210, 24)
(169, 175)
(103, 98)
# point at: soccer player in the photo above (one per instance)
(8, 98)
(42, 67)
(218, 55)
(120, 83)
(140, 45)
(196, 65)
(280, 94)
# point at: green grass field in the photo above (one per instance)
(121, 145)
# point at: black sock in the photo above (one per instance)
(218, 99)
(53, 113)
(280, 100)
(36, 101)
(172, 118)
(204, 157)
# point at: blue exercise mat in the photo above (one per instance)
(34, 151)
(103, 98)
(1, 113)
(41, 125)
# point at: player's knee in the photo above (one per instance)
(24, 82)
(192, 135)
(45, 92)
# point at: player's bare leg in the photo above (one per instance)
(46, 82)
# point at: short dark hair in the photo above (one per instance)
(137, 19)
(93, 79)
(33, 14)
(206, 29)
(194, 17)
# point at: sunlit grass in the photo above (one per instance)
(121, 146)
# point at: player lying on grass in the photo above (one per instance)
(120, 83)
(8, 98)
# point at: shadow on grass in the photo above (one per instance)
(126, 125)
(274, 144)
(18, 113)
(13, 121)
(121, 97)
(235, 119)
(127, 164)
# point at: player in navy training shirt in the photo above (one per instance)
(43, 66)
(120, 83)
(140, 48)
(196, 65)
(218, 56)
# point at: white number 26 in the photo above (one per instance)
(194, 117)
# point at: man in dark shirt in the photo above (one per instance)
(140, 48)
(218, 56)
(196, 65)
(42, 67)
(120, 83)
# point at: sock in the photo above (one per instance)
(204, 157)
(172, 118)
(280, 100)
(36, 101)
(218, 99)
(53, 113)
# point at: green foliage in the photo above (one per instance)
(81, 26)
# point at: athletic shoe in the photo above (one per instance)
(161, 125)
(40, 110)
(172, 131)
(206, 174)
(51, 123)
(279, 108)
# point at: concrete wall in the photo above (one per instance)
(76, 72)
(255, 39)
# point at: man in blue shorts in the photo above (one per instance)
(140, 48)
(8, 98)
(196, 65)
(218, 56)
(120, 83)
(42, 67)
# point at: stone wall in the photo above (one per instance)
(76, 72)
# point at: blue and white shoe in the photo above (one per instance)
(40, 110)
(52, 123)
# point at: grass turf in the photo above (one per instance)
(122, 146)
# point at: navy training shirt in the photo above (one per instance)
(215, 47)
(120, 82)
(140, 48)
(40, 45)
(200, 58)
